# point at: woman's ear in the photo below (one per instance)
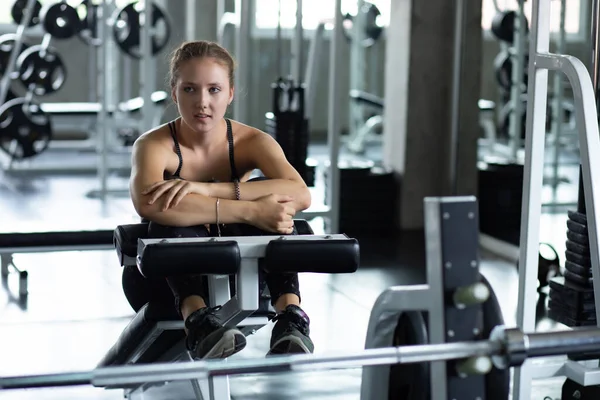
(231, 92)
(173, 96)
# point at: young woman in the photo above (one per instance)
(190, 179)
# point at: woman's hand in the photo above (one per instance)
(173, 191)
(274, 213)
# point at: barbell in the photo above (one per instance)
(506, 347)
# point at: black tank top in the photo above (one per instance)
(176, 175)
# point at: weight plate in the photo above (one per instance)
(410, 381)
(578, 238)
(41, 69)
(503, 25)
(578, 248)
(18, 11)
(7, 43)
(581, 270)
(127, 30)
(372, 31)
(578, 279)
(578, 259)
(577, 217)
(577, 227)
(88, 14)
(25, 130)
(60, 20)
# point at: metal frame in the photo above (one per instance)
(427, 297)
(540, 62)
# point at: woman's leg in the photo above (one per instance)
(292, 329)
(206, 336)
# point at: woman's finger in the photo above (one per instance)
(152, 187)
(180, 195)
(159, 191)
(170, 195)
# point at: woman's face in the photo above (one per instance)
(202, 93)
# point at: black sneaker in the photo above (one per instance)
(207, 338)
(290, 333)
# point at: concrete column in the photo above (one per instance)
(418, 89)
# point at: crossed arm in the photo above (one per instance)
(269, 204)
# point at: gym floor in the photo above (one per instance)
(76, 308)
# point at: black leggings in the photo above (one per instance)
(139, 290)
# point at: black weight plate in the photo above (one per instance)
(577, 248)
(578, 238)
(503, 25)
(410, 381)
(577, 227)
(127, 30)
(577, 217)
(577, 279)
(558, 317)
(17, 12)
(7, 42)
(88, 14)
(584, 261)
(25, 130)
(584, 272)
(41, 68)
(60, 20)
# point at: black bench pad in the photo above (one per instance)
(322, 256)
(160, 260)
(137, 329)
(51, 239)
(126, 239)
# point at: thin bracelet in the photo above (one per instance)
(218, 227)
(236, 188)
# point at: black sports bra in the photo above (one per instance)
(176, 175)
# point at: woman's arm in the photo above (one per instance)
(149, 160)
(267, 155)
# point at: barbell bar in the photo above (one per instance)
(507, 347)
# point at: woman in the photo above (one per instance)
(190, 179)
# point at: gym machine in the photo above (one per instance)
(128, 117)
(463, 351)
(581, 373)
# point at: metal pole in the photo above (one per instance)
(506, 347)
(14, 54)
(148, 65)
(245, 11)
(517, 84)
(298, 47)
(459, 27)
(103, 93)
(357, 67)
(594, 70)
(557, 110)
(333, 123)
(190, 18)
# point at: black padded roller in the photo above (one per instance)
(168, 259)
(321, 256)
(56, 239)
(126, 239)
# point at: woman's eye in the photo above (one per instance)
(214, 90)
(188, 89)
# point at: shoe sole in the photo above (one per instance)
(288, 345)
(233, 341)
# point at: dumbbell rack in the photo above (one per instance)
(540, 62)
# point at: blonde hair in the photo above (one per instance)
(199, 49)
